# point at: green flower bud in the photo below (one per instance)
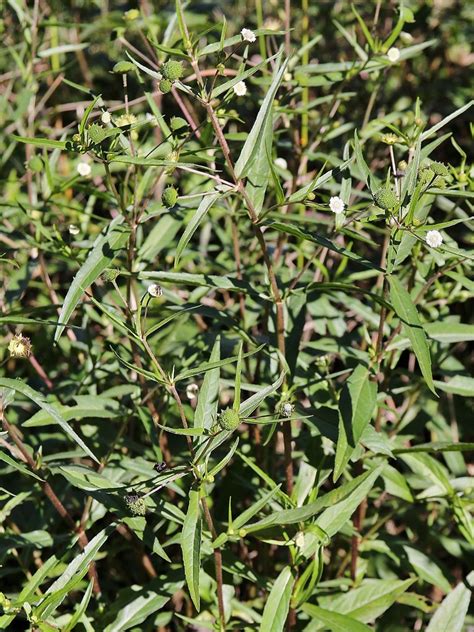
(403, 165)
(172, 70)
(242, 533)
(426, 176)
(165, 86)
(122, 67)
(229, 419)
(385, 198)
(135, 504)
(131, 15)
(390, 139)
(109, 275)
(439, 169)
(178, 123)
(310, 196)
(169, 197)
(35, 164)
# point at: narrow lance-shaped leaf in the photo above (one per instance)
(208, 399)
(408, 314)
(278, 603)
(202, 210)
(450, 615)
(102, 253)
(191, 546)
(251, 145)
(37, 398)
(356, 405)
(335, 621)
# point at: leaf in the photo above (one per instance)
(41, 142)
(73, 574)
(252, 403)
(292, 229)
(407, 312)
(447, 332)
(143, 602)
(249, 150)
(278, 603)
(457, 385)
(18, 466)
(450, 615)
(356, 406)
(101, 254)
(203, 208)
(191, 546)
(208, 399)
(370, 600)
(426, 569)
(360, 160)
(257, 179)
(80, 610)
(335, 621)
(446, 120)
(37, 398)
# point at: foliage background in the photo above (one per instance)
(102, 377)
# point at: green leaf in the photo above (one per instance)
(335, 621)
(450, 615)
(278, 603)
(370, 600)
(17, 466)
(80, 610)
(446, 120)
(457, 385)
(143, 601)
(356, 406)
(73, 574)
(203, 208)
(291, 229)
(191, 546)
(38, 399)
(208, 399)
(249, 150)
(447, 332)
(41, 142)
(426, 569)
(408, 314)
(252, 403)
(257, 178)
(103, 251)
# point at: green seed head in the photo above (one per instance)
(229, 419)
(169, 197)
(122, 67)
(136, 504)
(178, 123)
(426, 176)
(439, 169)
(172, 70)
(386, 199)
(165, 86)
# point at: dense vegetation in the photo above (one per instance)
(236, 306)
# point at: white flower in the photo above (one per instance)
(240, 88)
(299, 539)
(281, 163)
(155, 290)
(248, 35)
(106, 118)
(393, 54)
(336, 205)
(84, 169)
(191, 391)
(73, 229)
(434, 239)
(287, 409)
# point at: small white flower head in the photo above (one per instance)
(106, 118)
(434, 239)
(84, 169)
(248, 35)
(73, 229)
(336, 205)
(155, 290)
(281, 163)
(240, 89)
(191, 391)
(299, 540)
(286, 409)
(393, 54)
